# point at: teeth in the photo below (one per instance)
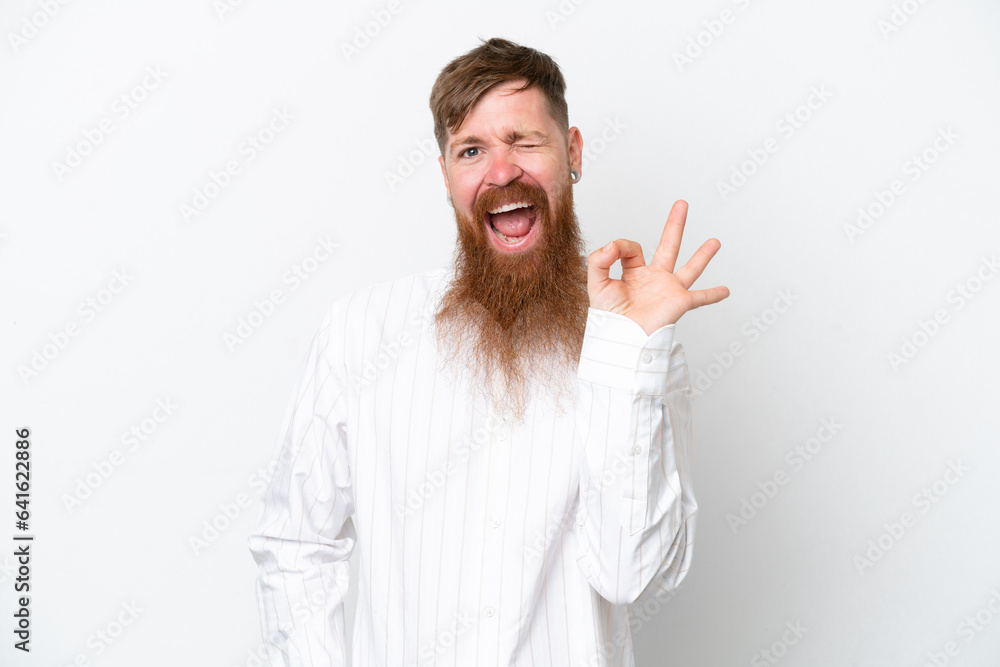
(509, 207)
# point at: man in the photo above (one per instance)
(507, 441)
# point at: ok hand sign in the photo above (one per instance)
(653, 295)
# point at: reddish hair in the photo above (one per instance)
(467, 78)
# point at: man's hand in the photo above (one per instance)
(652, 295)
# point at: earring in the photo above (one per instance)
(449, 202)
(574, 175)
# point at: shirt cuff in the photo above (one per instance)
(617, 353)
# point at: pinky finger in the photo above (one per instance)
(706, 297)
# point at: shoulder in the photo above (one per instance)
(379, 308)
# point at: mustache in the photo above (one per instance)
(516, 191)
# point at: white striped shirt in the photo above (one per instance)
(484, 541)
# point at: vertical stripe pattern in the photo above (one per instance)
(482, 540)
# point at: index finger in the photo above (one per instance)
(670, 240)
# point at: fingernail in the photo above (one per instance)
(608, 247)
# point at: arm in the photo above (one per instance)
(305, 534)
(634, 415)
(637, 505)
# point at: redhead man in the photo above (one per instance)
(506, 440)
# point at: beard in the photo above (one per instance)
(513, 322)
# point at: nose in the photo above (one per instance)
(503, 169)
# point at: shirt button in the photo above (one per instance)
(647, 357)
(495, 522)
(637, 450)
(503, 434)
(489, 611)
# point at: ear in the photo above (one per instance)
(575, 149)
(444, 172)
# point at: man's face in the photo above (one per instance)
(517, 308)
(510, 151)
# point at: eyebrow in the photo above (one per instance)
(509, 138)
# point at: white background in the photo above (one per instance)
(684, 127)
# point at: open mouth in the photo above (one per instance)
(513, 224)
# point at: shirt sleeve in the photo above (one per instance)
(305, 534)
(636, 516)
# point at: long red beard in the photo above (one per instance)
(514, 322)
